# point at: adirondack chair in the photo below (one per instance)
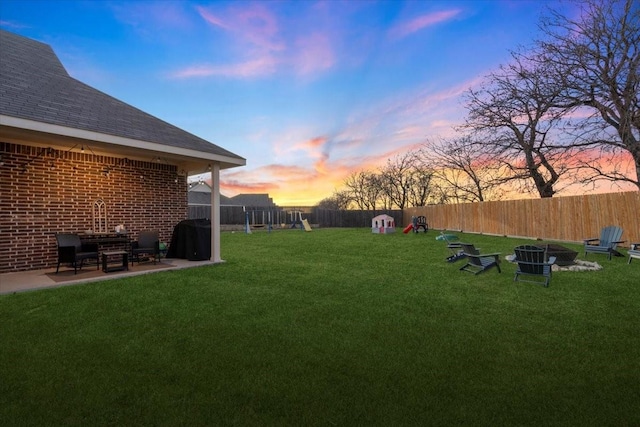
(606, 244)
(71, 250)
(634, 252)
(532, 263)
(453, 244)
(477, 262)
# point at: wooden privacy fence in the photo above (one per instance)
(569, 219)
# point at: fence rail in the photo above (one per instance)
(569, 219)
(325, 218)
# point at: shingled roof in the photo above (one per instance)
(35, 86)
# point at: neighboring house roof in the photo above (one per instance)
(200, 193)
(36, 89)
(199, 198)
(200, 186)
(253, 200)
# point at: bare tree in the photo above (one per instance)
(397, 179)
(465, 173)
(420, 192)
(596, 58)
(364, 189)
(513, 118)
(339, 200)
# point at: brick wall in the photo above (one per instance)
(45, 191)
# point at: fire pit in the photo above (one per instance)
(564, 256)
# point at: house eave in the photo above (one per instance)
(19, 130)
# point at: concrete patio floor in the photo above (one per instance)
(40, 279)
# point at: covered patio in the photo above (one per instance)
(23, 281)
(66, 148)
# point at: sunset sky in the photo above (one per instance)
(306, 91)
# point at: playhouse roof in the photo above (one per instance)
(39, 95)
(382, 216)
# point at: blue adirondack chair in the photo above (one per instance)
(634, 252)
(533, 264)
(606, 244)
(477, 262)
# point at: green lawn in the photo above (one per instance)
(332, 327)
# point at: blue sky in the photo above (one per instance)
(307, 91)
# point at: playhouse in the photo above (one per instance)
(383, 224)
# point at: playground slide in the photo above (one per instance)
(408, 228)
(306, 225)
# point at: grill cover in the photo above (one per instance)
(191, 240)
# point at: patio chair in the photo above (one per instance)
(634, 252)
(71, 250)
(148, 243)
(606, 244)
(532, 262)
(453, 244)
(421, 222)
(477, 262)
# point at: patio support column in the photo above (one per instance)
(215, 213)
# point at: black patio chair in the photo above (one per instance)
(148, 243)
(532, 262)
(477, 262)
(71, 250)
(421, 222)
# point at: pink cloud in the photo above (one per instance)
(272, 171)
(260, 46)
(211, 18)
(312, 143)
(252, 25)
(13, 25)
(252, 68)
(258, 25)
(148, 17)
(231, 188)
(289, 185)
(313, 53)
(405, 28)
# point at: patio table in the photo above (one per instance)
(115, 261)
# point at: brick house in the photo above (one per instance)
(66, 148)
